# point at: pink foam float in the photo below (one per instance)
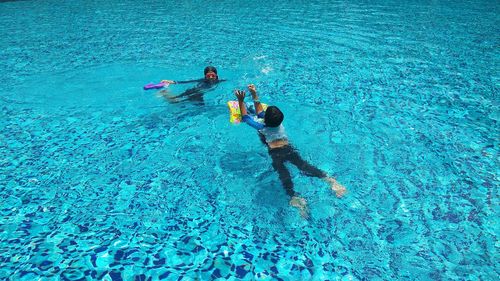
(152, 86)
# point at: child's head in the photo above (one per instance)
(211, 73)
(273, 116)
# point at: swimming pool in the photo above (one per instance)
(102, 180)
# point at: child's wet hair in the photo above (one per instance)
(210, 68)
(273, 116)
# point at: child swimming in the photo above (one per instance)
(272, 133)
(206, 84)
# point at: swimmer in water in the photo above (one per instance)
(195, 94)
(272, 134)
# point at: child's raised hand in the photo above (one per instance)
(240, 94)
(251, 88)
(253, 91)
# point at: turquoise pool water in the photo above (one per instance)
(102, 180)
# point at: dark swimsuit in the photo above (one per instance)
(281, 155)
(196, 94)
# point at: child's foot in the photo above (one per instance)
(163, 93)
(301, 204)
(339, 189)
(166, 94)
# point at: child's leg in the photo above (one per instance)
(304, 166)
(168, 96)
(312, 171)
(286, 181)
(284, 174)
(198, 98)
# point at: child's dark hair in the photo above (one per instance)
(210, 68)
(273, 116)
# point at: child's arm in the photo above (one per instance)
(256, 101)
(241, 101)
(181, 82)
(189, 81)
(243, 109)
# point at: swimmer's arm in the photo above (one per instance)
(256, 101)
(240, 95)
(182, 82)
(189, 81)
(252, 123)
(243, 109)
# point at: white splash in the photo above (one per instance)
(266, 69)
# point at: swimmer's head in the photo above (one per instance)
(273, 116)
(211, 73)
